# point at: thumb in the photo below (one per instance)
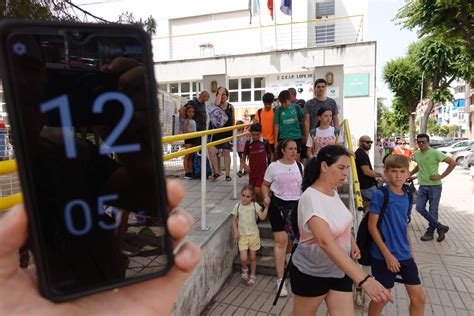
(12, 236)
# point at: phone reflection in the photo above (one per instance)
(88, 143)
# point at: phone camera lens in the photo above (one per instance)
(19, 48)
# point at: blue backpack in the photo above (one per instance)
(197, 166)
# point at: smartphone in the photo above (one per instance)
(82, 104)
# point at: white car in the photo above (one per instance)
(458, 146)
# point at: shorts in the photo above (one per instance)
(408, 273)
(298, 144)
(256, 181)
(272, 147)
(310, 286)
(367, 193)
(275, 216)
(251, 242)
(226, 145)
(193, 141)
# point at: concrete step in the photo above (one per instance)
(267, 247)
(265, 265)
(265, 229)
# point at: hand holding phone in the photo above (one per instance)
(138, 299)
(82, 104)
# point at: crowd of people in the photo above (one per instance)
(295, 165)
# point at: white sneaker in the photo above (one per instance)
(284, 291)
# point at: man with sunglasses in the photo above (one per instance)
(428, 160)
(366, 174)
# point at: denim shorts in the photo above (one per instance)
(408, 273)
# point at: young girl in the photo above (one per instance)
(189, 126)
(244, 226)
(324, 133)
(240, 148)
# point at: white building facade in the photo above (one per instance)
(322, 39)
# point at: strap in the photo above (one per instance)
(384, 205)
(247, 147)
(300, 167)
(260, 115)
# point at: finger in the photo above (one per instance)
(122, 64)
(12, 236)
(175, 192)
(179, 224)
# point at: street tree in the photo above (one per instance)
(403, 77)
(449, 20)
(442, 64)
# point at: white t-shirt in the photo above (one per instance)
(308, 257)
(323, 138)
(285, 180)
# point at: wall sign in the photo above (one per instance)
(356, 85)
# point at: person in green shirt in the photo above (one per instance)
(288, 120)
(428, 160)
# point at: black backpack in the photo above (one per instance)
(364, 238)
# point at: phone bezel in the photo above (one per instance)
(18, 130)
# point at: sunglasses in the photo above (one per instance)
(368, 142)
(421, 142)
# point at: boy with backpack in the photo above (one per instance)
(391, 251)
(244, 225)
(258, 151)
(265, 116)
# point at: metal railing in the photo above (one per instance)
(9, 166)
(355, 197)
(261, 38)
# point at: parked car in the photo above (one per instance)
(461, 155)
(469, 161)
(461, 145)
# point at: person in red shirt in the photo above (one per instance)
(265, 116)
(258, 151)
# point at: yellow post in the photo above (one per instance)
(357, 195)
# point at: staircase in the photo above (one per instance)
(265, 262)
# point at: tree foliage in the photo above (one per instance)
(149, 24)
(403, 76)
(450, 20)
(391, 122)
(442, 64)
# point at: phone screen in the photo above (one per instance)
(89, 143)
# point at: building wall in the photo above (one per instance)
(357, 58)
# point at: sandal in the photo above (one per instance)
(215, 176)
(244, 275)
(252, 280)
(228, 178)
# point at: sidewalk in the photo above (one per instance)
(446, 269)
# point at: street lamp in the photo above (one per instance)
(421, 99)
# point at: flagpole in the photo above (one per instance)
(275, 20)
(291, 24)
(260, 26)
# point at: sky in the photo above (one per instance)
(392, 40)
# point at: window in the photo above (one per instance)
(324, 8)
(184, 89)
(246, 89)
(324, 34)
(174, 88)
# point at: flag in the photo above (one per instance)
(285, 7)
(270, 7)
(254, 8)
